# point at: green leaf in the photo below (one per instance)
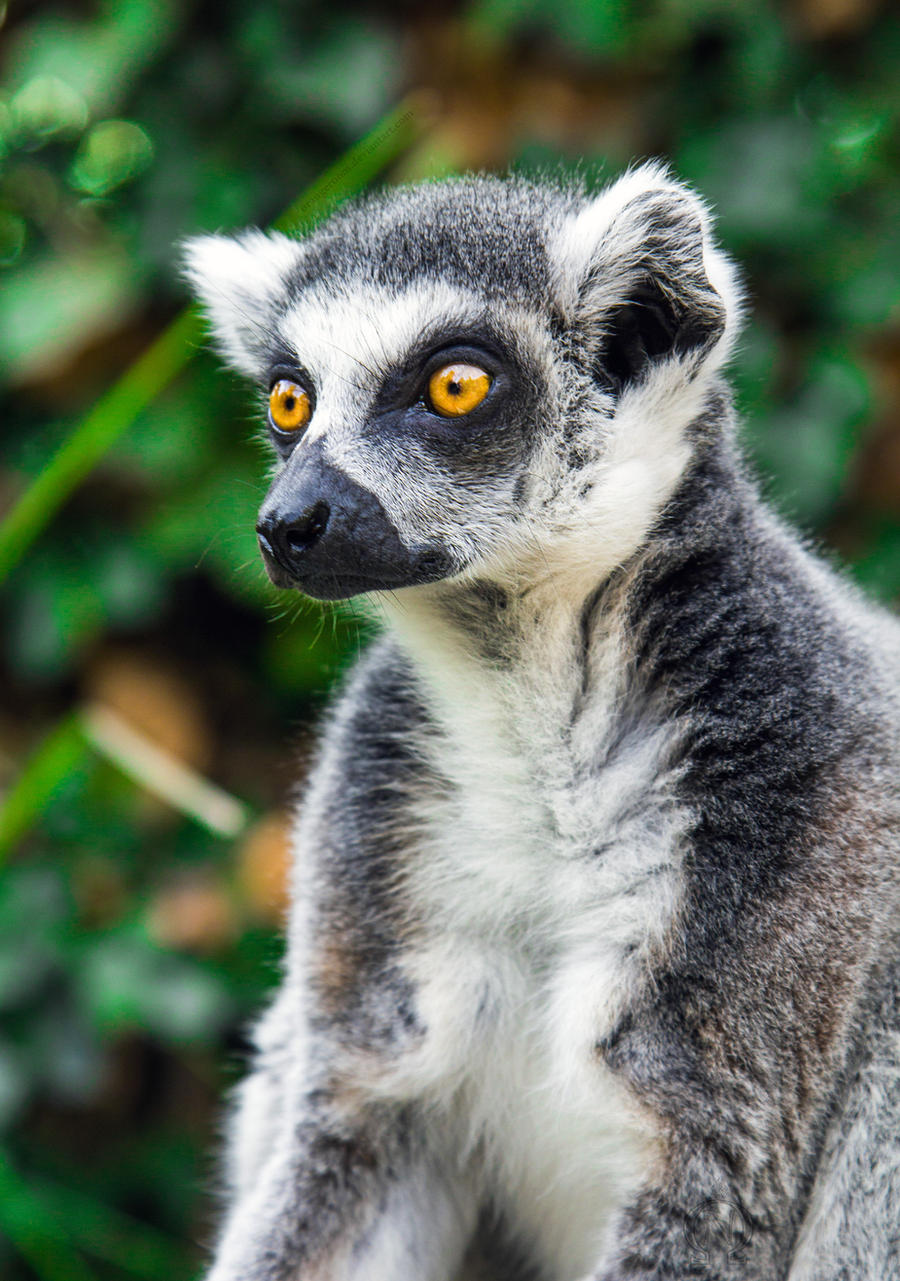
(319, 91)
(117, 410)
(126, 982)
(96, 61)
(46, 771)
(807, 446)
(53, 306)
(14, 1083)
(106, 1233)
(36, 1232)
(112, 153)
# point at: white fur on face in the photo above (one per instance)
(580, 523)
(238, 278)
(350, 343)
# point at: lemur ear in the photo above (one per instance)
(645, 283)
(239, 281)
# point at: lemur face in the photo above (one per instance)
(421, 421)
(471, 378)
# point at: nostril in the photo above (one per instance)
(307, 531)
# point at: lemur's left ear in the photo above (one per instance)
(240, 281)
(641, 278)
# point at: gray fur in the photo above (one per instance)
(592, 965)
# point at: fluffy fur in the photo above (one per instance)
(592, 964)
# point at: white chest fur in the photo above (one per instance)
(548, 868)
(559, 1142)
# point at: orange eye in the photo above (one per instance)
(289, 406)
(455, 390)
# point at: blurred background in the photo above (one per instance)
(138, 934)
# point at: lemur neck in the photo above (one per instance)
(526, 660)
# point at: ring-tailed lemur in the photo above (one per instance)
(592, 962)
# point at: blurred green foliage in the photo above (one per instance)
(124, 127)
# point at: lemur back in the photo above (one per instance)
(592, 963)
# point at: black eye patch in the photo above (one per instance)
(406, 385)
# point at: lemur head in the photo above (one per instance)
(478, 377)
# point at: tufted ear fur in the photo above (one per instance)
(239, 281)
(643, 282)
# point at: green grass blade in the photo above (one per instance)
(106, 1233)
(157, 367)
(47, 769)
(113, 413)
(391, 137)
(35, 1231)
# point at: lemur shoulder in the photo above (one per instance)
(592, 964)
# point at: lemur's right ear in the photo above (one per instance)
(643, 283)
(240, 281)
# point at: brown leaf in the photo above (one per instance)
(194, 914)
(264, 861)
(155, 700)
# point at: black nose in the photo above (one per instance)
(327, 534)
(286, 540)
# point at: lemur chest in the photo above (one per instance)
(562, 851)
(509, 1058)
(541, 888)
(558, 1142)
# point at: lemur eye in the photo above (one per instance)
(289, 406)
(457, 389)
